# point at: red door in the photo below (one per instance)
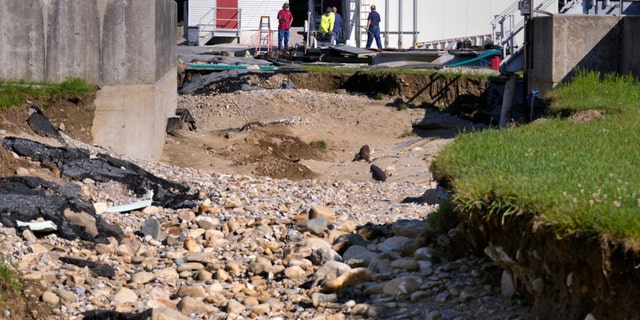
(227, 14)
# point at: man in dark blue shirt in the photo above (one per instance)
(373, 28)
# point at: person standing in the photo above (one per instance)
(337, 26)
(326, 25)
(285, 18)
(373, 28)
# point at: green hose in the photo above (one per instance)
(480, 57)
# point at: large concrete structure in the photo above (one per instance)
(562, 43)
(128, 48)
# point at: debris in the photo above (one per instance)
(377, 173)
(35, 199)
(78, 164)
(100, 269)
(41, 125)
(184, 117)
(41, 226)
(134, 205)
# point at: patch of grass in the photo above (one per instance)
(319, 144)
(9, 283)
(378, 96)
(14, 93)
(590, 90)
(573, 176)
(403, 106)
(407, 134)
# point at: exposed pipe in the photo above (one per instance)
(399, 24)
(386, 24)
(415, 23)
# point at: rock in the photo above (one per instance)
(294, 272)
(402, 286)
(124, 296)
(409, 228)
(330, 271)
(143, 277)
(50, 298)
(347, 279)
(405, 263)
(189, 305)
(318, 298)
(321, 256)
(315, 226)
(192, 291)
(167, 314)
(151, 228)
(235, 307)
(318, 211)
(507, 285)
(260, 266)
(84, 220)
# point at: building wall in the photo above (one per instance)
(563, 43)
(440, 19)
(127, 47)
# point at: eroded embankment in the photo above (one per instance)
(566, 277)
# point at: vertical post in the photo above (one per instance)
(386, 23)
(415, 22)
(526, 10)
(399, 24)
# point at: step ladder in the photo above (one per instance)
(363, 14)
(264, 34)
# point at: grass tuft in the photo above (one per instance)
(318, 144)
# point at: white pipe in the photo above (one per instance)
(415, 22)
(399, 24)
(386, 24)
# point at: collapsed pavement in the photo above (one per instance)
(32, 201)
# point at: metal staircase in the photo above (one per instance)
(219, 22)
(506, 26)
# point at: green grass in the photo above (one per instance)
(318, 144)
(9, 283)
(407, 134)
(14, 93)
(573, 176)
(591, 90)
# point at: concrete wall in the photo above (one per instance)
(563, 43)
(126, 47)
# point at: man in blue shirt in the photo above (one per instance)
(337, 26)
(373, 28)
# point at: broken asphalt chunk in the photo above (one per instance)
(77, 163)
(33, 199)
(99, 269)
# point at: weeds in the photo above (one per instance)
(318, 144)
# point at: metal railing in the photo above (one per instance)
(211, 24)
(506, 26)
(449, 43)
